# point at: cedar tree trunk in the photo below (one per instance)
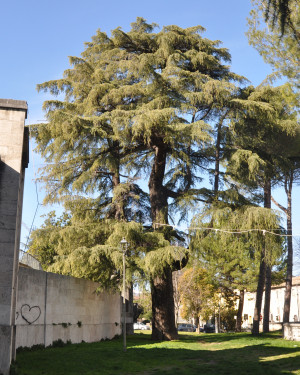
(163, 311)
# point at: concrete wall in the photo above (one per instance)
(52, 307)
(13, 160)
(291, 331)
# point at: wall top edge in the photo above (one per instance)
(14, 104)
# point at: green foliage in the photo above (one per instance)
(278, 49)
(144, 302)
(128, 94)
(227, 317)
(44, 241)
(155, 262)
(198, 293)
(271, 115)
(233, 258)
(128, 98)
(157, 105)
(279, 12)
(91, 249)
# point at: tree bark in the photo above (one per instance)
(197, 323)
(117, 210)
(289, 273)
(163, 311)
(239, 317)
(158, 196)
(268, 281)
(217, 160)
(259, 294)
(268, 284)
(176, 295)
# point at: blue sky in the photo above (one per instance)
(37, 36)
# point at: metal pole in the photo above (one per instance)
(124, 302)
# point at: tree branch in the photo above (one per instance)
(279, 205)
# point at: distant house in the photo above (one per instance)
(276, 306)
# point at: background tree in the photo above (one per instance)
(269, 114)
(197, 294)
(279, 12)
(43, 243)
(280, 50)
(290, 175)
(144, 303)
(176, 293)
(230, 253)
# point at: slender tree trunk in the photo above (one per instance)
(268, 281)
(176, 295)
(216, 318)
(197, 323)
(289, 273)
(259, 294)
(239, 317)
(163, 312)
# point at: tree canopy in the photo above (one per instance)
(137, 104)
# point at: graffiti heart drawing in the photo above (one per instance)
(30, 314)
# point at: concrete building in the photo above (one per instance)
(13, 161)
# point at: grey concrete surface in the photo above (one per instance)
(291, 331)
(52, 307)
(12, 152)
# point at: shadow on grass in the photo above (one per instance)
(190, 355)
(215, 337)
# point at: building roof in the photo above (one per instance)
(295, 281)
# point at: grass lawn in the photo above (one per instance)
(193, 353)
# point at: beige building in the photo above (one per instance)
(276, 306)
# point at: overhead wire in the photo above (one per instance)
(230, 231)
